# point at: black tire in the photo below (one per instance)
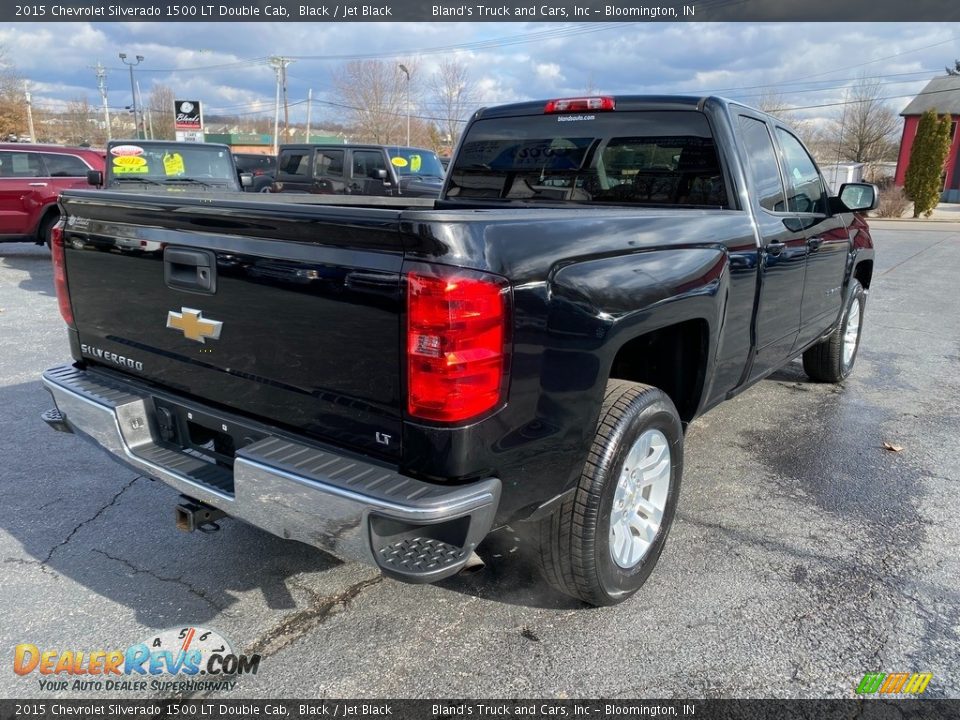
(46, 225)
(825, 361)
(574, 541)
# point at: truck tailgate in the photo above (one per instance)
(291, 317)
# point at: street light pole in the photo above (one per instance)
(405, 71)
(133, 89)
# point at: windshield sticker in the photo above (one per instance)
(130, 165)
(122, 150)
(415, 163)
(129, 161)
(173, 164)
(399, 161)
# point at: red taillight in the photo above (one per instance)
(579, 105)
(456, 343)
(58, 254)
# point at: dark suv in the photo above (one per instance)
(262, 167)
(386, 170)
(31, 178)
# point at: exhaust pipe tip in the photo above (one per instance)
(474, 564)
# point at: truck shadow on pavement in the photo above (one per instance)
(81, 526)
(34, 260)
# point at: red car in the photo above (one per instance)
(31, 178)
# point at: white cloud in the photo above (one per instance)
(223, 64)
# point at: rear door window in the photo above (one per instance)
(20, 165)
(763, 164)
(294, 165)
(329, 163)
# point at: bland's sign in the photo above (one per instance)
(187, 115)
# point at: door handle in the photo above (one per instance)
(190, 270)
(37, 184)
(814, 243)
(776, 248)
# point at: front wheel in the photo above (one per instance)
(831, 360)
(602, 543)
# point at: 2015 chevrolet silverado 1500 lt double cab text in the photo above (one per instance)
(389, 379)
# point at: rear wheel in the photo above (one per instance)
(831, 360)
(46, 225)
(602, 544)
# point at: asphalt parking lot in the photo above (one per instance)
(804, 553)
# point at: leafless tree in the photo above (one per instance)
(867, 127)
(162, 112)
(78, 124)
(455, 94)
(375, 93)
(13, 115)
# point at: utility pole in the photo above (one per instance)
(286, 107)
(279, 65)
(26, 89)
(309, 111)
(405, 71)
(102, 85)
(275, 63)
(133, 89)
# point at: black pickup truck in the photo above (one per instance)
(390, 379)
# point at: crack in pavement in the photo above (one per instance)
(175, 580)
(296, 625)
(96, 515)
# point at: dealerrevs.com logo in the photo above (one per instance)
(894, 683)
(189, 659)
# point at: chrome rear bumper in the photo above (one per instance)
(349, 506)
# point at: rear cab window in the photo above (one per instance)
(645, 158)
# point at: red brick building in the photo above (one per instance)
(943, 95)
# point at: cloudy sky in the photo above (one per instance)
(224, 65)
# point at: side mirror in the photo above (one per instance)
(95, 178)
(380, 174)
(246, 180)
(859, 197)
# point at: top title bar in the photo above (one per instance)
(486, 11)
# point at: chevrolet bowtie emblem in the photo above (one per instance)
(193, 325)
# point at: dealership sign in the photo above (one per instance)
(187, 115)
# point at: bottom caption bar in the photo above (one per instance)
(480, 710)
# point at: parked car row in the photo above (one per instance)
(32, 176)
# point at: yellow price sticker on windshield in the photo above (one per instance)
(129, 161)
(173, 164)
(415, 162)
(399, 161)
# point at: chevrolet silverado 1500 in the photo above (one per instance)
(390, 379)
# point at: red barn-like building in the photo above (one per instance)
(943, 95)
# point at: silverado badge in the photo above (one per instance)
(193, 325)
